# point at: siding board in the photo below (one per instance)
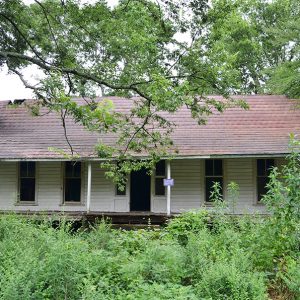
(187, 193)
(8, 185)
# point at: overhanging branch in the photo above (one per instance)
(46, 66)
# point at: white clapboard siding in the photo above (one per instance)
(49, 185)
(8, 185)
(242, 172)
(49, 189)
(103, 194)
(187, 193)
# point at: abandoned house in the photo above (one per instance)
(238, 145)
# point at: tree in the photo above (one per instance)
(259, 42)
(133, 49)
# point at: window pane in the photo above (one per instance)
(261, 187)
(160, 168)
(261, 167)
(72, 189)
(209, 182)
(159, 187)
(73, 169)
(27, 169)
(23, 169)
(77, 170)
(218, 167)
(27, 189)
(69, 169)
(209, 168)
(119, 192)
(31, 169)
(269, 166)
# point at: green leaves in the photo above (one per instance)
(137, 48)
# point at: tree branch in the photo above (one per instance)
(145, 122)
(29, 86)
(48, 22)
(63, 119)
(46, 66)
(22, 35)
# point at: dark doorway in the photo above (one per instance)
(140, 191)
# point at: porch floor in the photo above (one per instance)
(130, 218)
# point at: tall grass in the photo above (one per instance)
(198, 255)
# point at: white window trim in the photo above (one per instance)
(209, 203)
(28, 203)
(255, 199)
(154, 182)
(82, 194)
(116, 190)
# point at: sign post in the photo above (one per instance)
(168, 182)
(88, 197)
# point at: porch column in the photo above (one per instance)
(168, 188)
(89, 180)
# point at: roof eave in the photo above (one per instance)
(178, 157)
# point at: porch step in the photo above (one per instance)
(131, 219)
(134, 226)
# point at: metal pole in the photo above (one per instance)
(168, 189)
(89, 185)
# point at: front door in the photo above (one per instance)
(140, 191)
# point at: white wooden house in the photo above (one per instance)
(238, 145)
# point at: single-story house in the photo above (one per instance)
(238, 145)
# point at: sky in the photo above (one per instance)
(10, 85)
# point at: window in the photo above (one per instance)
(264, 167)
(120, 192)
(27, 181)
(160, 173)
(213, 173)
(72, 182)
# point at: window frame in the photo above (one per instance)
(121, 195)
(159, 177)
(258, 201)
(64, 202)
(210, 203)
(22, 202)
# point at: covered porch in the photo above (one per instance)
(144, 196)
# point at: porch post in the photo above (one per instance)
(168, 188)
(89, 179)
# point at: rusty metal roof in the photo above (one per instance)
(262, 130)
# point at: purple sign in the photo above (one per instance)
(168, 182)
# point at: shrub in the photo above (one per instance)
(290, 276)
(198, 255)
(158, 291)
(228, 281)
(187, 223)
(160, 262)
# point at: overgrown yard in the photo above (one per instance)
(189, 259)
(198, 255)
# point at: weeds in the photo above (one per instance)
(198, 255)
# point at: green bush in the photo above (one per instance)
(161, 263)
(290, 275)
(158, 291)
(198, 255)
(188, 223)
(229, 281)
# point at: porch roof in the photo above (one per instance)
(261, 131)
